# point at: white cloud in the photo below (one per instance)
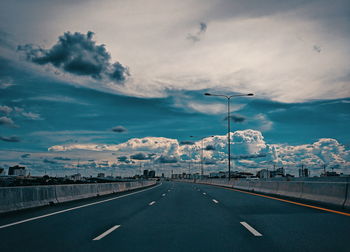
(5, 109)
(7, 121)
(32, 116)
(249, 150)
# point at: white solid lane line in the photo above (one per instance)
(153, 202)
(74, 208)
(215, 201)
(106, 233)
(251, 229)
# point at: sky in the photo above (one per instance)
(117, 86)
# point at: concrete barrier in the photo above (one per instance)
(17, 198)
(325, 192)
(74, 192)
(268, 187)
(330, 193)
(347, 200)
(290, 189)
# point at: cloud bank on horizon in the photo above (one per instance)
(249, 151)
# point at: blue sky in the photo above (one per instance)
(70, 77)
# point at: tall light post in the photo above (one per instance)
(202, 149)
(228, 97)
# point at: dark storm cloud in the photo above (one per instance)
(209, 162)
(62, 158)
(202, 27)
(122, 158)
(236, 118)
(248, 156)
(167, 159)
(316, 48)
(140, 156)
(47, 161)
(197, 36)
(209, 148)
(13, 139)
(186, 143)
(25, 155)
(78, 54)
(119, 129)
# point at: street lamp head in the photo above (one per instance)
(250, 94)
(208, 94)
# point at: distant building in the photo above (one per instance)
(304, 172)
(330, 174)
(145, 173)
(151, 174)
(279, 172)
(264, 173)
(2, 171)
(17, 170)
(75, 177)
(101, 175)
(217, 174)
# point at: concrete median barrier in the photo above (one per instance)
(290, 189)
(325, 192)
(17, 198)
(347, 200)
(330, 193)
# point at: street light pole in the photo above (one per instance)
(228, 97)
(229, 137)
(202, 154)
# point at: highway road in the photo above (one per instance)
(176, 217)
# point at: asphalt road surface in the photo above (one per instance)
(176, 217)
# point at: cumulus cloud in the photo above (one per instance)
(5, 110)
(5, 84)
(249, 150)
(32, 116)
(119, 129)
(78, 54)
(13, 139)
(4, 120)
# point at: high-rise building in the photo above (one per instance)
(17, 170)
(151, 174)
(303, 172)
(264, 173)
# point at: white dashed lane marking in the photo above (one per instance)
(106, 233)
(251, 229)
